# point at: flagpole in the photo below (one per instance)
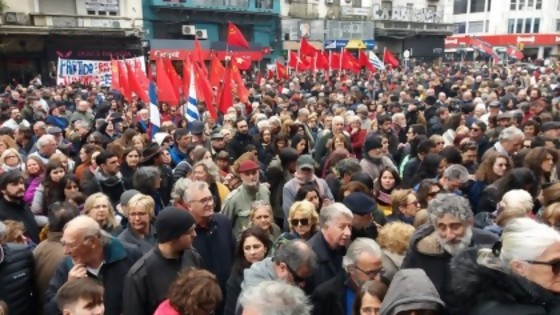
(330, 62)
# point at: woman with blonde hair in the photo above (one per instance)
(394, 238)
(551, 215)
(11, 160)
(261, 216)
(303, 222)
(140, 230)
(98, 206)
(405, 206)
(207, 171)
(515, 203)
(6, 142)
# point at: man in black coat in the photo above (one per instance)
(239, 142)
(147, 283)
(361, 263)
(92, 253)
(16, 276)
(12, 206)
(433, 245)
(152, 156)
(329, 244)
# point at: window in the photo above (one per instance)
(476, 27)
(487, 26)
(102, 7)
(489, 5)
(530, 4)
(521, 5)
(511, 26)
(519, 27)
(538, 5)
(528, 22)
(460, 28)
(558, 25)
(536, 25)
(356, 3)
(460, 6)
(477, 6)
(387, 5)
(513, 5)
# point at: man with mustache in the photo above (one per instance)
(450, 231)
(12, 206)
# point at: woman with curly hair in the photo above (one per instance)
(303, 223)
(542, 162)
(492, 168)
(208, 172)
(394, 239)
(194, 292)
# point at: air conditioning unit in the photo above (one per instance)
(329, 1)
(16, 18)
(188, 30)
(201, 34)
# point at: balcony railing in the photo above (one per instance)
(304, 10)
(243, 5)
(67, 21)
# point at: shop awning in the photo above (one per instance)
(355, 44)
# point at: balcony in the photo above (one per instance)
(246, 6)
(304, 10)
(85, 24)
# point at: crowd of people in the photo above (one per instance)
(427, 190)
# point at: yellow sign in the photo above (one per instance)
(355, 44)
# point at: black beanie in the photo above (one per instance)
(171, 223)
(372, 142)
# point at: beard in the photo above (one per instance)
(454, 249)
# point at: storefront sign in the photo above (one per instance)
(504, 40)
(181, 54)
(88, 71)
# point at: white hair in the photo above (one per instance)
(194, 186)
(511, 133)
(396, 116)
(353, 119)
(303, 112)
(275, 120)
(275, 297)
(516, 203)
(339, 119)
(44, 140)
(525, 239)
(333, 212)
(263, 124)
(81, 123)
(179, 188)
(357, 247)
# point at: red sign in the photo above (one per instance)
(505, 40)
(181, 54)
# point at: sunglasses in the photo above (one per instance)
(554, 264)
(296, 222)
(297, 278)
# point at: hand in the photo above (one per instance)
(77, 272)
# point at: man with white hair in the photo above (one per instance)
(509, 142)
(91, 252)
(361, 263)
(329, 244)
(82, 112)
(450, 231)
(275, 298)
(302, 119)
(320, 149)
(46, 146)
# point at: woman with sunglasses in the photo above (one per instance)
(303, 222)
(428, 190)
(405, 206)
(519, 275)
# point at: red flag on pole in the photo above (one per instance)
(226, 99)
(173, 76)
(123, 81)
(205, 89)
(281, 71)
(115, 82)
(242, 91)
(296, 62)
(390, 59)
(241, 63)
(135, 85)
(141, 76)
(322, 61)
(187, 68)
(165, 90)
(306, 49)
(513, 52)
(349, 62)
(364, 61)
(217, 71)
(259, 77)
(197, 52)
(235, 37)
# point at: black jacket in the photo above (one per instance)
(329, 262)
(233, 290)
(426, 253)
(147, 283)
(238, 143)
(18, 211)
(119, 258)
(480, 290)
(16, 279)
(329, 298)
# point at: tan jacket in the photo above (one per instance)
(48, 255)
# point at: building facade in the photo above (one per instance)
(533, 25)
(171, 26)
(398, 25)
(34, 34)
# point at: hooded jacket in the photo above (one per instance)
(481, 286)
(411, 289)
(112, 186)
(259, 272)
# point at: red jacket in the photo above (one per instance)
(166, 309)
(357, 140)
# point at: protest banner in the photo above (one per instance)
(96, 72)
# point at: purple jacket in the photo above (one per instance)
(30, 191)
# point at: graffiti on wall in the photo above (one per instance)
(408, 14)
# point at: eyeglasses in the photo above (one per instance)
(204, 201)
(371, 274)
(296, 222)
(295, 276)
(554, 264)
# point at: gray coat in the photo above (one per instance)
(144, 244)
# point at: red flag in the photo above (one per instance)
(335, 60)
(306, 49)
(513, 52)
(259, 77)
(297, 63)
(197, 52)
(390, 59)
(187, 68)
(270, 74)
(141, 76)
(242, 91)
(123, 81)
(115, 82)
(226, 99)
(217, 71)
(135, 85)
(165, 90)
(364, 61)
(281, 72)
(206, 90)
(235, 37)
(349, 62)
(173, 76)
(241, 63)
(322, 61)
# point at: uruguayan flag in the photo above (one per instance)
(375, 61)
(155, 118)
(191, 108)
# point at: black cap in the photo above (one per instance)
(550, 125)
(197, 127)
(173, 222)
(360, 203)
(372, 142)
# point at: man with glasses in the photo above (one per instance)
(147, 283)
(509, 142)
(92, 253)
(361, 263)
(478, 135)
(294, 262)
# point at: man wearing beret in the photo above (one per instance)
(147, 282)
